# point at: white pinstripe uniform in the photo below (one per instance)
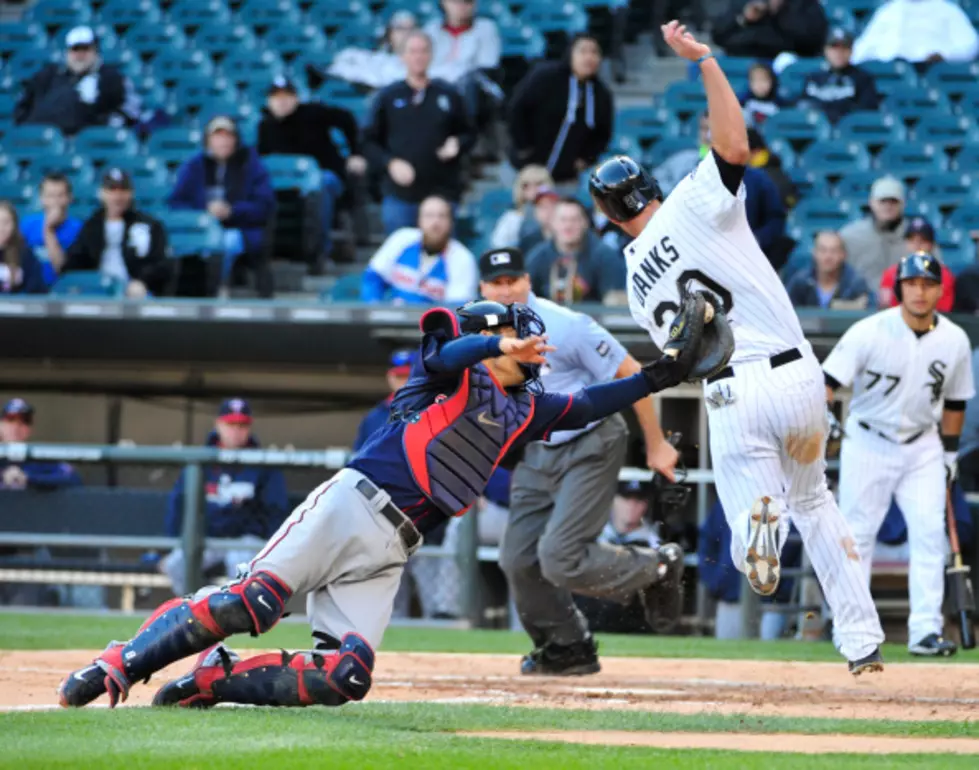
(892, 447)
(767, 424)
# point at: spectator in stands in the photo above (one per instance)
(969, 443)
(682, 162)
(762, 29)
(242, 501)
(540, 227)
(20, 270)
(918, 31)
(17, 427)
(576, 266)
(561, 114)
(465, 51)
(398, 372)
(876, 242)
(382, 67)
(761, 100)
(765, 160)
(506, 233)
(79, 93)
(423, 264)
(418, 133)
(829, 283)
(290, 128)
(766, 216)
(844, 87)
(919, 235)
(122, 242)
(229, 181)
(967, 289)
(50, 231)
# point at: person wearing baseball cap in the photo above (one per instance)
(122, 242)
(80, 92)
(843, 87)
(399, 371)
(291, 127)
(17, 427)
(228, 180)
(876, 242)
(242, 501)
(919, 236)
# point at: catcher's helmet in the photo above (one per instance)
(484, 315)
(921, 264)
(622, 188)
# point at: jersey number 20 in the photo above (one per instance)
(667, 306)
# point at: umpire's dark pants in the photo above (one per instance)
(560, 500)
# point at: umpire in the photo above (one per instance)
(562, 490)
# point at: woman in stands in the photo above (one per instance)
(506, 233)
(20, 269)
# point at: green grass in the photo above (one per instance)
(396, 736)
(57, 631)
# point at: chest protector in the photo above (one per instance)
(455, 444)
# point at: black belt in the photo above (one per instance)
(779, 359)
(908, 440)
(401, 523)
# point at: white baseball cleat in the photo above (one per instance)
(762, 565)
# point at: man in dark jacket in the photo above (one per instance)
(122, 242)
(291, 128)
(762, 29)
(830, 283)
(229, 181)
(417, 133)
(81, 92)
(844, 88)
(766, 215)
(17, 427)
(242, 502)
(561, 114)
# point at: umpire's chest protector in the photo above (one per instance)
(454, 445)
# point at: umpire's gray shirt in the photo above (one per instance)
(586, 354)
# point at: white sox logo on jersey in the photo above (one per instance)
(937, 372)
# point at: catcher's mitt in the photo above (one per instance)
(682, 350)
(716, 338)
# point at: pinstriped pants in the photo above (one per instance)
(771, 440)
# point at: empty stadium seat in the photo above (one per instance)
(855, 185)
(345, 289)
(784, 150)
(174, 145)
(89, 283)
(171, 66)
(266, 13)
(19, 36)
(289, 39)
(797, 126)
(647, 124)
(793, 77)
(873, 129)
(835, 157)
(821, 213)
(148, 38)
(910, 159)
(55, 14)
(952, 78)
(808, 183)
(567, 17)
(968, 159)
(144, 170)
(891, 76)
(194, 14)
(521, 42)
(252, 66)
(221, 39)
(102, 144)
(20, 193)
(862, 10)
(27, 143)
(667, 146)
(685, 99)
(736, 66)
(950, 132)
(493, 204)
(912, 104)
(25, 64)
(944, 189)
(125, 13)
(192, 233)
(957, 248)
(77, 168)
(294, 172)
(841, 16)
(194, 93)
(965, 217)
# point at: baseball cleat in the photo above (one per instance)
(105, 675)
(194, 689)
(576, 659)
(868, 664)
(933, 646)
(762, 565)
(663, 599)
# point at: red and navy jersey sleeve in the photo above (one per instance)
(550, 410)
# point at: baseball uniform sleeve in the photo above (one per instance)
(705, 192)
(846, 359)
(960, 385)
(596, 349)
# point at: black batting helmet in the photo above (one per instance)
(921, 264)
(622, 188)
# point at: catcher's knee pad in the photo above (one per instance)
(254, 605)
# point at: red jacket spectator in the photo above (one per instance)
(886, 296)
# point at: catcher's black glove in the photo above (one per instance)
(680, 354)
(716, 342)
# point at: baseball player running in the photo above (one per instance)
(910, 369)
(473, 395)
(766, 411)
(563, 488)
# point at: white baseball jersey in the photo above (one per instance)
(900, 380)
(700, 238)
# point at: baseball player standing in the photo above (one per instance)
(562, 490)
(766, 410)
(911, 371)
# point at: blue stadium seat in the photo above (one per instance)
(862, 10)
(736, 66)
(427, 9)
(294, 172)
(784, 150)
(835, 157)
(965, 217)
(125, 13)
(522, 42)
(952, 78)
(873, 129)
(194, 14)
(944, 190)
(225, 106)
(354, 35)
(149, 38)
(891, 76)
(667, 146)
(567, 17)
(647, 124)
(821, 214)
(910, 160)
(76, 167)
(799, 127)
(493, 203)
(911, 105)
(19, 36)
(121, 57)
(7, 103)
(25, 64)
(335, 16)
(192, 233)
(181, 63)
(793, 77)
(251, 66)
(267, 13)
(174, 145)
(101, 144)
(20, 193)
(221, 39)
(194, 93)
(289, 39)
(957, 248)
(143, 169)
(808, 183)
(88, 283)
(27, 143)
(968, 159)
(855, 185)
(685, 99)
(968, 101)
(55, 14)
(346, 289)
(950, 132)
(841, 16)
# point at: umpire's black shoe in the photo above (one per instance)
(933, 646)
(663, 599)
(867, 664)
(575, 659)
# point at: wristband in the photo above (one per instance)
(704, 58)
(950, 443)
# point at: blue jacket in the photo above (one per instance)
(373, 420)
(247, 188)
(46, 475)
(802, 287)
(763, 207)
(32, 281)
(240, 500)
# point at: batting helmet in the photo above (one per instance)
(483, 315)
(622, 188)
(921, 264)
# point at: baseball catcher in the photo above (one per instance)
(473, 396)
